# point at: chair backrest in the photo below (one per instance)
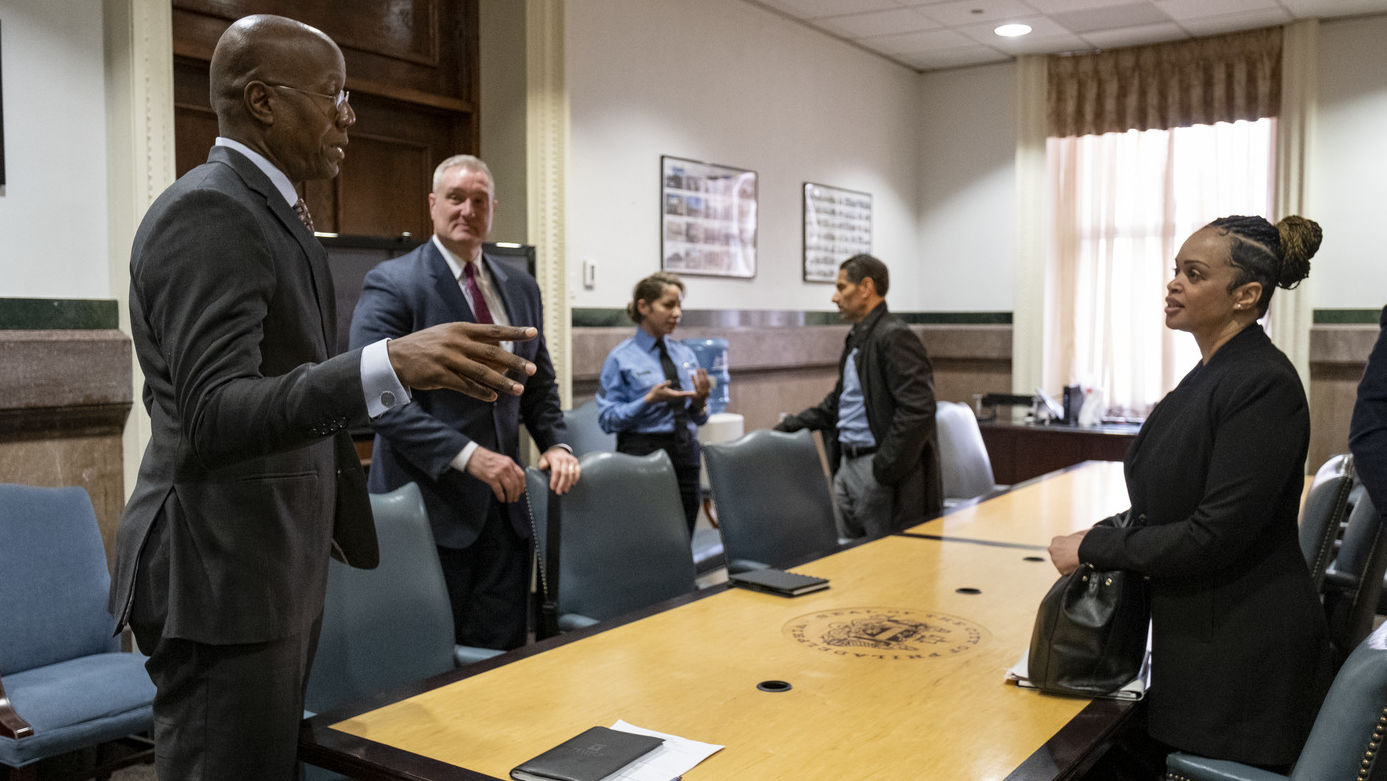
(1325, 508)
(771, 497)
(1344, 742)
(1335, 465)
(964, 466)
(585, 435)
(53, 578)
(1353, 583)
(388, 626)
(623, 542)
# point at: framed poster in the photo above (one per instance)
(708, 214)
(837, 225)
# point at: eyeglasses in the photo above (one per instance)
(339, 101)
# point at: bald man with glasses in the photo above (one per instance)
(250, 481)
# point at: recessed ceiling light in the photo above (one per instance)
(1013, 30)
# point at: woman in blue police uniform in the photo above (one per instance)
(653, 394)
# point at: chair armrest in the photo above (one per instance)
(11, 725)
(464, 655)
(745, 565)
(1188, 767)
(571, 621)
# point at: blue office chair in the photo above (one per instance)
(69, 685)
(965, 469)
(1346, 740)
(623, 541)
(586, 436)
(386, 627)
(584, 433)
(773, 504)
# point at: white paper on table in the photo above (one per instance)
(1019, 674)
(670, 761)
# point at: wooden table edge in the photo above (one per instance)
(1078, 741)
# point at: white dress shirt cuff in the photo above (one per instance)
(460, 460)
(379, 383)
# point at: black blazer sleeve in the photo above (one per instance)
(1367, 437)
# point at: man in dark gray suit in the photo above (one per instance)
(249, 481)
(462, 453)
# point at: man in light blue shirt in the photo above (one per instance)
(883, 448)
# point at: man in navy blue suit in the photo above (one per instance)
(463, 453)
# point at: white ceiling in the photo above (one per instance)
(934, 34)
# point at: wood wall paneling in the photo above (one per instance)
(412, 70)
(1338, 354)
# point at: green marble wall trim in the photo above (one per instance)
(610, 318)
(598, 318)
(1347, 316)
(58, 314)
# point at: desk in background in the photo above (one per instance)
(1020, 451)
(896, 672)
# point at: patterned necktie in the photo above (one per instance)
(679, 407)
(479, 308)
(301, 209)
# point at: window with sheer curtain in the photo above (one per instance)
(1146, 145)
(1122, 205)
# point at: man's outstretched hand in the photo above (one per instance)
(465, 357)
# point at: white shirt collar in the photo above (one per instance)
(455, 263)
(277, 177)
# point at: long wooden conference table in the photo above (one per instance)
(895, 671)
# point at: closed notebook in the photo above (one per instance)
(592, 755)
(776, 581)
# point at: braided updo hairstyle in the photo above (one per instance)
(650, 290)
(1274, 255)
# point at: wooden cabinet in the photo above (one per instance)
(412, 71)
(1021, 451)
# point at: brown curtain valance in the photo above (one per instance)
(1217, 79)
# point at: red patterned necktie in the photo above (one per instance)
(301, 209)
(479, 307)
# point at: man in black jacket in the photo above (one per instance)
(882, 444)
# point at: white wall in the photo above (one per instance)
(651, 77)
(53, 207)
(1349, 166)
(726, 82)
(967, 217)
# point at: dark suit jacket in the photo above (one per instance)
(416, 442)
(1368, 433)
(1240, 654)
(248, 470)
(898, 385)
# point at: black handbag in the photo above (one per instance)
(1090, 632)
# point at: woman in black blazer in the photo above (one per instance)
(1240, 656)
